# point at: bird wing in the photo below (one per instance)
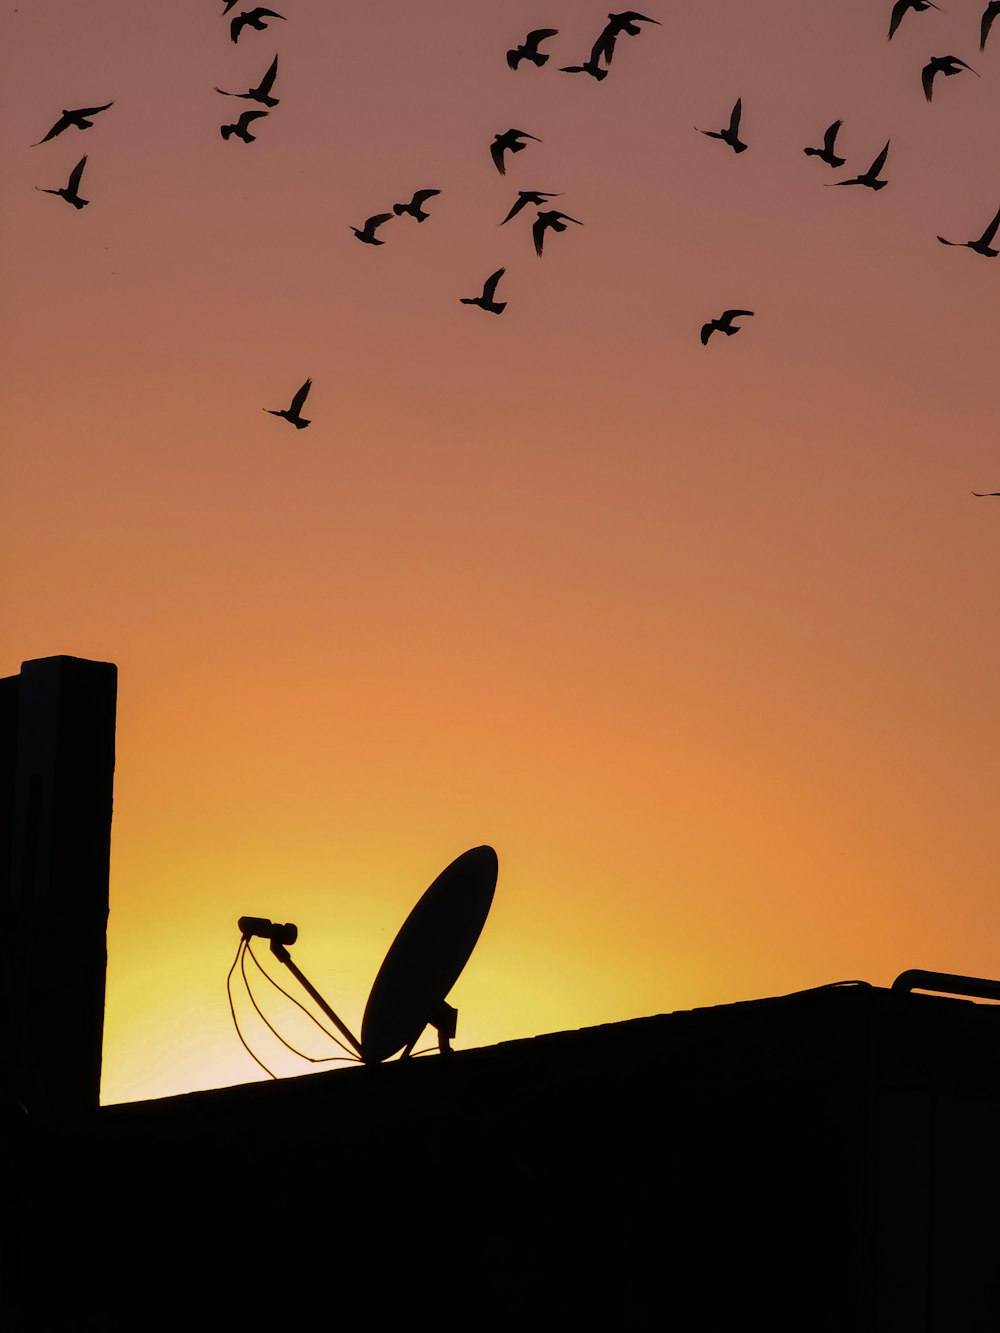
(513, 57)
(496, 152)
(422, 196)
(265, 84)
(91, 110)
(523, 134)
(729, 315)
(266, 14)
(879, 162)
(62, 123)
(538, 231)
(490, 285)
(927, 79)
(989, 14)
(248, 117)
(734, 119)
(74, 176)
(565, 217)
(706, 332)
(376, 221)
(539, 35)
(300, 398)
(898, 10)
(990, 231)
(985, 493)
(519, 203)
(604, 46)
(829, 138)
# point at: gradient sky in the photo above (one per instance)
(704, 640)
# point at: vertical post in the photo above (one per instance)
(57, 730)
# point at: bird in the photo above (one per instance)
(617, 24)
(70, 192)
(367, 232)
(486, 301)
(292, 413)
(263, 90)
(524, 197)
(826, 153)
(509, 140)
(77, 118)
(528, 50)
(989, 14)
(230, 4)
(985, 494)
(870, 177)
(946, 65)
(241, 128)
(557, 221)
(414, 207)
(900, 8)
(590, 66)
(724, 324)
(982, 246)
(731, 136)
(251, 18)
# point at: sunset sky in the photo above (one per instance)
(704, 640)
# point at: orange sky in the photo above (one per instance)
(704, 640)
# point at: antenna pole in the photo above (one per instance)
(283, 956)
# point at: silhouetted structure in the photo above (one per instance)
(825, 1162)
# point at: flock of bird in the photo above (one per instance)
(512, 141)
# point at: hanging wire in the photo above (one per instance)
(267, 976)
(232, 1008)
(313, 1059)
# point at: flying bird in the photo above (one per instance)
(292, 413)
(900, 8)
(528, 50)
(486, 301)
(537, 197)
(869, 177)
(77, 118)
(367, 232)
(826, 153)
(731, 136)
(989, 14)
(263, 90)
(71, 191)
(510, 140)
(618, 23)
(982, 246)
(252, 18)
(946, 65)
(242, 127)
(557, 221)
(724, 324)
(415, 206)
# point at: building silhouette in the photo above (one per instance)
(827, 1161)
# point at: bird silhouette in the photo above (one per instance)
(982, 246)
(946, 65)
(989, 14)
(528, 50)
(869, 177)
(71, 191)
(230, 4)
(724, 324)
(900, 8)
(262, 92)
(557, 221)
(293, 413)
(618, 23)
(241, 128)
(367, 232)
(731, 136)
(537, 197)
(486, 301)
(510, 140)
(826, 153)
(77, 118)
(252, 18)
(985, 494)
(414, 207)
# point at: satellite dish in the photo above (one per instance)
(423, 962)
(427, 956)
